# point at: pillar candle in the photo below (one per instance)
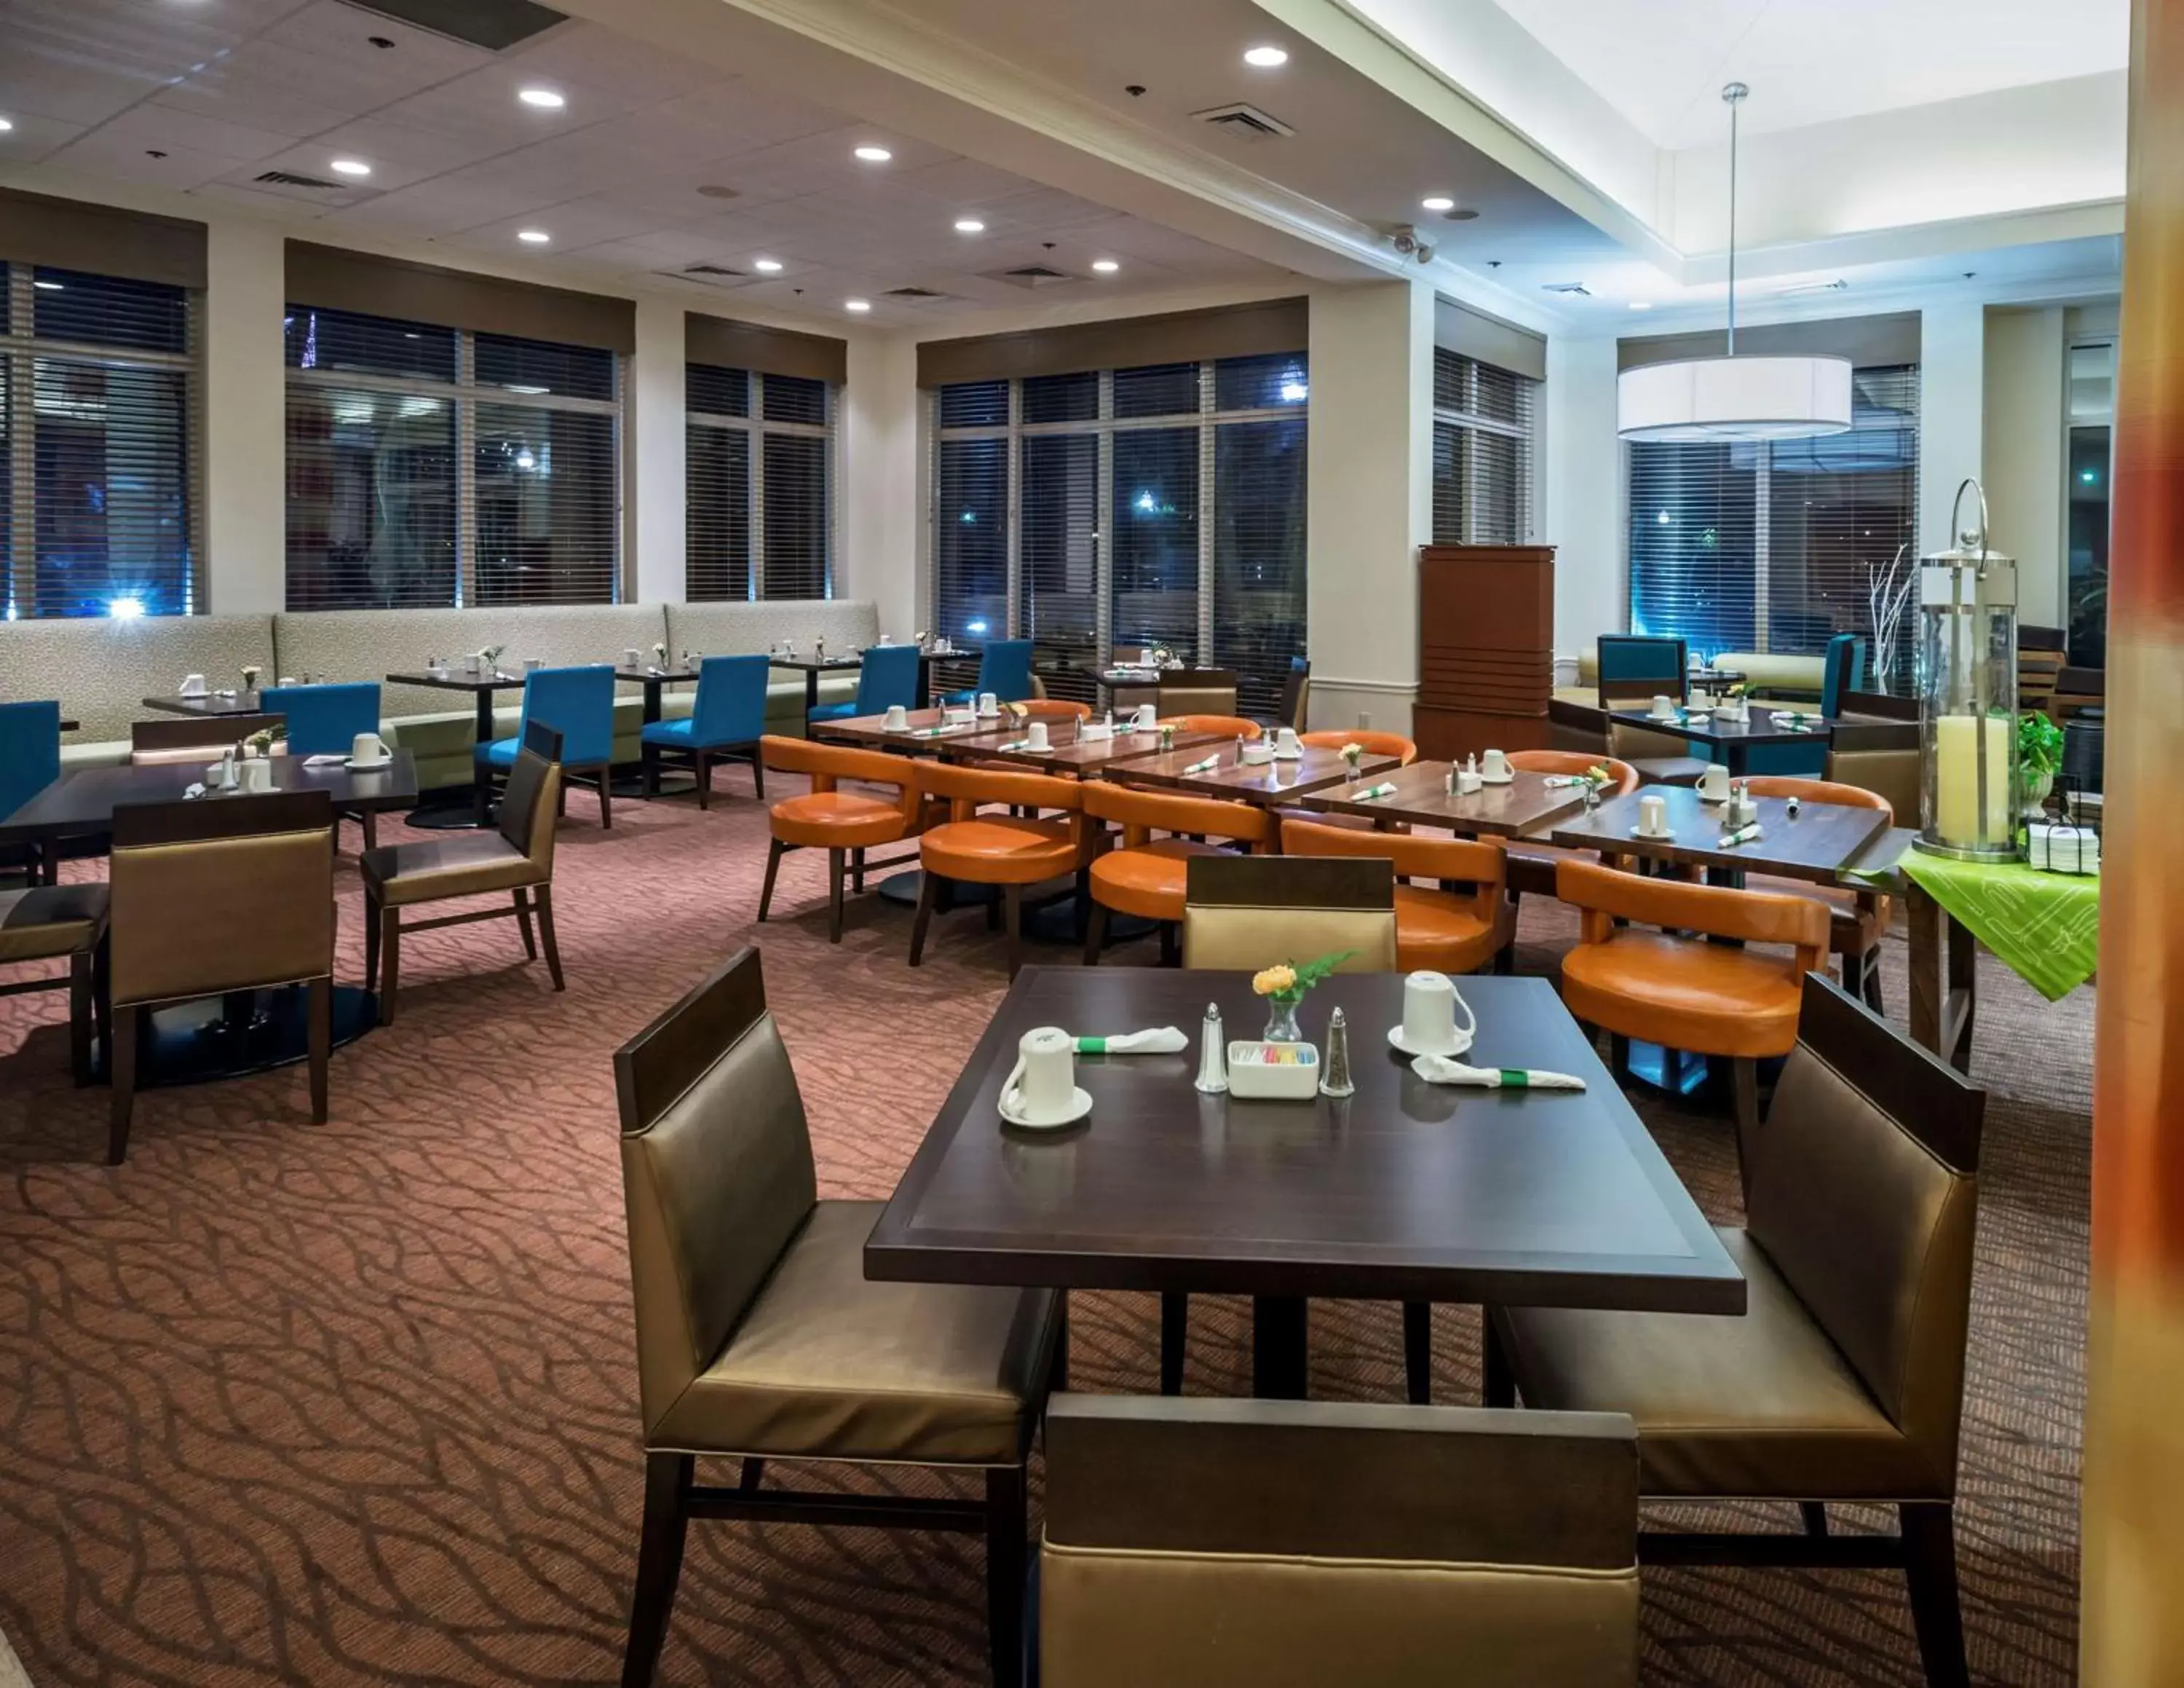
(1957, 813)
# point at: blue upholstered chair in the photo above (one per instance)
(30, 761)
(1637, 668)
(1003, 670)
(726, 722)
(1844, 672)
(324, 720)
(889, 677)
(577, 704)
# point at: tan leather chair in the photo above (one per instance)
(1270, 1544)
(1531, 865)
(208, 899)
(1296, 696)
(1674, 988)
(1857, 920)
(1206, 691)
(1010, 850)
(59, 923)
(516, 856)
(1844, 1380)
(1880, 756)
(1243, 912)
(1227, 725)
(195, 738)
(1375, 743)
(1444, 930)
(844, 823)
(759, 1337)
(1574, 726)
(1145, 876)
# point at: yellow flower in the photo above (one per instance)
(1275, 982)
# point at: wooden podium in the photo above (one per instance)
(1486, 660)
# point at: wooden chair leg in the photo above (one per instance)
(659, 1565)
(605, 777)
(121, 1076)
(80, 1001)
(1930, 1547)
(1175, 1340)
(648, 755)
(542, 898)
(856, 866)
(1012, 919)
(1815, 1513)
(1418, 1352)
(1871, 991)
(926, 890)
(102, 996)
(1744, 1078)
(1171, 953)
(1008, 1523)
(390, 962)
(523, 924)
(834, 896)
(370, 939)
(322, 1034)
(1095, 934)
(1499, 1387)
(774, 850)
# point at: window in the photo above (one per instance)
(2089, 461)
(1771, 546)
(1162, 504)
(430, 468)
(1482, 452)
(760, 484)
(99, 506)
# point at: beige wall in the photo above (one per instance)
(2022, 456)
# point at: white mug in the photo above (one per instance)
(257, 774)
(1664, 706)
(632, 658)
(532, 664)
(887, 638)
(1042, 1087)
(1494, 765)
(1035, 736)
(1148, 716)
(193, 685)
(990, 704)
(1653, 816)
(897, 718)
(1255, 752)
(367, 747)
(1430, 1001)
(1285, 740)
(1713, 784)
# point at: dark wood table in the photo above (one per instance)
(1068, 751)
(80, 804)
(213, 703)
(1422, 798)
(481, 687)
(1943, 963)
(1267, 784)
(1735, 740)
(69, 726)
(812, 667)
(873, 730)
(1150, 679)
(1816, 846)
(652, 679)
(1405, 1191)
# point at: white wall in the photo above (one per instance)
(655, 534)
(2022, 452)
(245, 420)
(881, 511)
(1584, 515)
(1952, 414)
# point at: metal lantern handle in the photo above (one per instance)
(1958, 534)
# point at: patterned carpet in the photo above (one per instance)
(357, 1404)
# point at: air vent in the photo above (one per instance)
(1247, 122)
(1578, 288)
(1031, 276)
(922, 292)
(289, 178)
(711, 269)
(494, 25)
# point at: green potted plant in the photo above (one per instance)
(2039, 757)
(1283, 986)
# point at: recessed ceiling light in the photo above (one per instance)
(859, 305)
(874, 154)
(766, 266)
(1642, 304)
(1438, 202)
(1106, 266)
(1267, 58)
(351, 167)
(546, 99)
(969, 226)
(534, 237)
(6, 124)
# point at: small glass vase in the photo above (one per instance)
(1282, 1019)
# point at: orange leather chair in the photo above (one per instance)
(1375, 744)
(1053, 709)
(1681, 992)
(1532, 866)
(1146, 876)
(1230, 726)
(844, 823)
(1447, 931)
(1011, 851)
(1857, 920)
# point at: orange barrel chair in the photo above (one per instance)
(1672, 987)
(1375, 743)
(1232, 726)
(1447, 931)
(1532, 866)
(1010, 850)
(1857, 920)
(1145, 876)
(1052, 709)
(844, 823)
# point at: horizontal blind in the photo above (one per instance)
(795, 505)
(371, 516)
(971, 537)
(547, 513)
(1059, 530)
(1484, 430)
(717, 510)
(1258, 555)
(1694, 545)
(759, 470)
(1153, 516)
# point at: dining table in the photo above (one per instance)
(1081, 748)
(815, 668)
(1404, 1190)
(214, 705)
(1734, 740)
(483, 685)
(1509, 809)
(1813, 844)
(923, 732)
(1221, 771)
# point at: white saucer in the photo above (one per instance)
(1462, 1046)
(1668, 837)
(1080, 1105)
(1508, 779)
(1664, 720)
(355, 767)
(1297, 755)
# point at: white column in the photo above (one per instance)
(245, 419)
(1369, 488)
(1951, 400)
(2027, 359)
(881, 515)
(1584, 495)
(655, 531)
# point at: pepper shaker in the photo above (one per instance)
(1334, 1078)
(1212, 1052)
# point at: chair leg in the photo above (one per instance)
(1008, 1522)
(758, 786)
(834, 896)
(542, 897)
(1618, 1055)
(1175, 1340)
(80, 1001)
(121, 1076)
(705, 779)
(749, 1473)
(927, 889)
(856, 866)
(102, 995)
(1816, 1514)
(1418, 1352)
(1170, 954)
(390, 962)
(605, 777)
(322, 1034)
(523, 924)
(1930, 1547)
(648, 755)
(1013, 902)
(1095, 934)
(370, 939)
(1500, 1387)
(774, 850)
(1872, 981)
(659, 1565)
(1744, 1077)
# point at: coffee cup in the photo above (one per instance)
(1494, 765)
(1665, 706)
(1713, 784)
(1148, 716)
(257, 774)
(887, 638)
(1256, 750)
(1430, 1002)
(897, 718)
(1285, 742)
(1035, 736)
(367, 747)
(1041, 1088)
(990, 704)
(632, 658)
(1653, 816)
(532, 664)
(193, 685)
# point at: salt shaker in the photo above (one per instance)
(1334, 1078)
(1212, 1052)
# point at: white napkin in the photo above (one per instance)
(1441, 1069)
(1159, 1039)
(328, 761)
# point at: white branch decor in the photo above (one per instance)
(1885, 596)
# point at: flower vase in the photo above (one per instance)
(1282, 1019)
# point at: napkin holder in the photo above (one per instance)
(1096, 733)
(2065, 845)
(1274, 1072)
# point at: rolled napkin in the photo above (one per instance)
(1015, 744)
(1441, 1069)
(1205, 766)
(1373, 793)
(1743, 835)
(1158, 1040)
(329, 761)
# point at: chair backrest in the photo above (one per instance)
(578, 703)
(1880, 756)
(324, 720)
(1228, 726)
(1054, 709)
(1864, 1193)
(730, 707)
(1818, 792)
(533, 795)
(1141, 813)
(1375, 742)
(1845, 673)
(889, 677)
(29, 752)
(1243, 912)
(1881, 705)
(221, 894)
(966, 790)
(716, 1171)
(195, 738)
(1577, 761)
(1297, 695)
(1577, 726)
(1605, 895)
(1204, 691)
(1004, 668)
(1635, 665)
(1212, 1543)
(1413, 855)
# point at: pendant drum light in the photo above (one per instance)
(1735, 397)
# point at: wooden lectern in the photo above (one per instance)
(1486, 659)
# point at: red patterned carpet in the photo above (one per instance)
(356, 1404)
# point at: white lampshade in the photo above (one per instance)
(1735, 397)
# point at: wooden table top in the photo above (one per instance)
(1422, 798)
(1267, 784)
(648, 676)
(84, 801)
(1813, 846)
(455, 681)
(1069, 752)
(1405, 1190)
(1132, 679)
(816, 665)
(213, 703)
(1710, 729)
(873, 730)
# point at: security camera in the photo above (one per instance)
(1405, 239)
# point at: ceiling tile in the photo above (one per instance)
(34, 139)
(405, 149)
(255, 199)
(418, 59)
(103, 152)
(168, 129)
(278, 87)
(610, 67)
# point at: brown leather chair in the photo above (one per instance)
(1272, 1544)
(1576, 726)
(1857, 920)
(1243, 912)
(224, 896)
(59, 923)
(1880, 756)
(516, 857)
(1532, 865)
(844, 823)
(1145, 876)
(195, 738)
(1375, 743)
(1296, 696)
(759, 1337)
(1011, 851)
(1844, 1380)
(1228, 726)
(1203, 691)
(1444, 930)
(1674, 988)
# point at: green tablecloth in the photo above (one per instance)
(2046, 926)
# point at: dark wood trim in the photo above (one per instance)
(102, 240)
(1365, 883)
(1912, 1086)
(335, 278)
(1267, 326)
(726, 342)
(249, 816)
(199, 732)
(655, 1067)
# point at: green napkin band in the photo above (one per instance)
(1091, 1046)
(1516, 1078)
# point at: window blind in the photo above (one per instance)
(97, 377)
(971, 546)
(759, 518)
(1061, 546)
(1258, 555)
(1485, 419)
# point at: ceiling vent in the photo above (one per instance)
(1246, 122)
(915, 293)
(1031, 276)
(1577, 287)
(494, 25)
(711, 269)
(289, 178)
